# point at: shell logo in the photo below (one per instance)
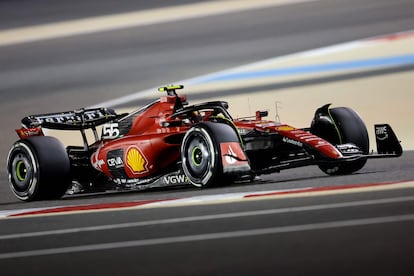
(285, 128)
(136, 161)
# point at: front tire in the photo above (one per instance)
(345, 126)
(38, 168)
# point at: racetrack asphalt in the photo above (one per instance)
(342, 234)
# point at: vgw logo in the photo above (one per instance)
(176, 179)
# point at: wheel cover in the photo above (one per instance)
(198, 156)
(21, 171)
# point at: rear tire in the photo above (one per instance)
(38, 168)
(349, 129)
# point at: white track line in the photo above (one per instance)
(134, 19)
(209, 199)
(251, 66)
(208, 217)
(210, 236)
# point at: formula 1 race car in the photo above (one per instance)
(169, 142)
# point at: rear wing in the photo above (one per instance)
(71, 120)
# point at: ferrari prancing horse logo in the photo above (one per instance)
(229, 156)
(136, 161)
(232, 154)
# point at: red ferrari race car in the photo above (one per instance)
(169, 142)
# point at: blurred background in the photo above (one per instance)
(285, 56)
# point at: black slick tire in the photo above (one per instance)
(38, 168)
(351, 129)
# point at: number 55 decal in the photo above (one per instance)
(110, 131)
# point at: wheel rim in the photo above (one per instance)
(199, 156)
(21, 172)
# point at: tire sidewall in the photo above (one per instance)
(352, 127)
(207, 177)
(352, 130)
(50, 162)
(31, 183)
